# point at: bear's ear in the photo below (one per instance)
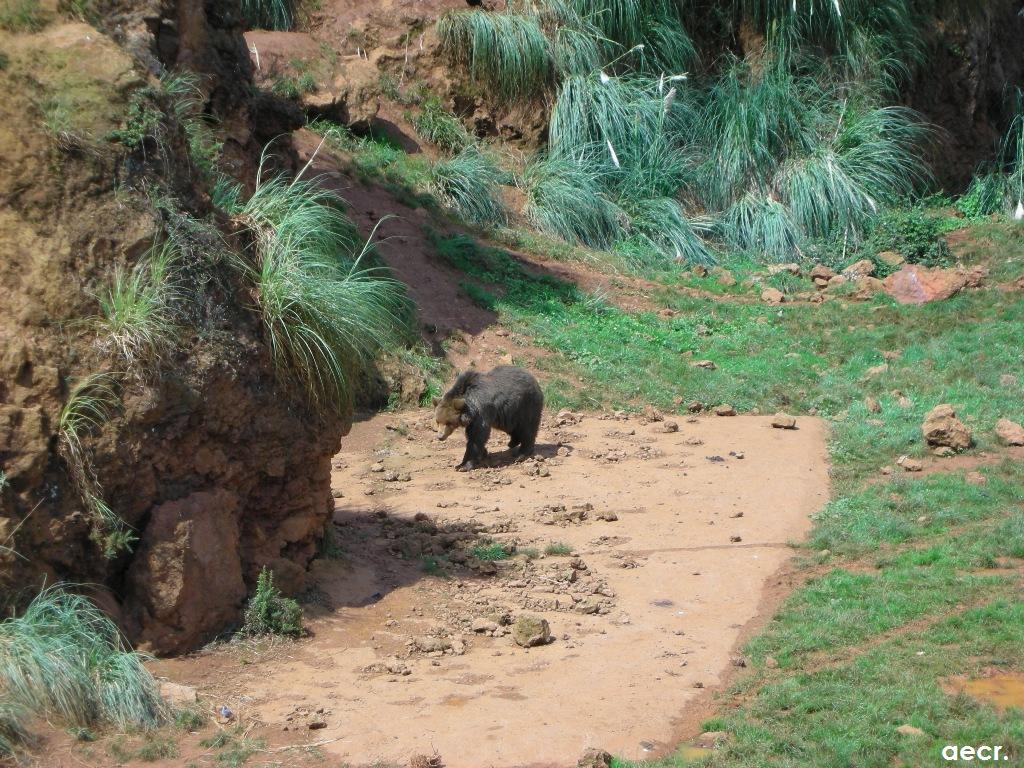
(459, 404)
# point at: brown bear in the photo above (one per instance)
(507, 398)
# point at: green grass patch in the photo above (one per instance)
(558, 549)
(490, 550)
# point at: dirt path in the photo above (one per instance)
(645, 611)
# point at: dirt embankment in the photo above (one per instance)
(216, 469)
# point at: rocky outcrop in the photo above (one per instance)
(942, 429)
(215, 466)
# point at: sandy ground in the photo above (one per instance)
(645, 612)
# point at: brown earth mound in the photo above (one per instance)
(214, 467)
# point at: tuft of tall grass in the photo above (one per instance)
(507, 51)
(564, 198)
(12, 726)
(614, 112)
(138, 306)
(89, 406)
(326, 316)
(269, 14)
(434, 124)
(468, 184)
(1012, 153)
(660, 225)
(64, 658)
(758, 222)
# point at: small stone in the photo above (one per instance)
(909, 730)
(909, 465)
(694, 441)
(975, 478)
(484, 625)
(1008, 380)
(724, 277)
(886, 470)
(695, 406)
(872, 405)
(705, 364)
(391, 476)
(783, 421)
(712, 739)
(772, 296)
(1009, 432)
(735, 539)
(652, 414)
(821, 272)
(378, 467)
(530, 631)
(608, 517)
(594, 758)
(943, 452)
(862, 268)
(316, 725)
(670, 426)
(942, 427)
(771, 662)
(725, 410)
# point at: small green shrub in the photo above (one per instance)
(269, 613)
(158, 749)
(985, 196)
(189, 719)
(143, 121)
(915, 234)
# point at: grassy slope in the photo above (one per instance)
(922, 580)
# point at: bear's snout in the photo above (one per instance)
(443, 430)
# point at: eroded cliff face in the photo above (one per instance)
(217, 468)
(963, 87)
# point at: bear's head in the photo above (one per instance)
(450, 414)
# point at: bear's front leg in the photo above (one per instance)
(477, 434)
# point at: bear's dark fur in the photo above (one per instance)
(507, 398)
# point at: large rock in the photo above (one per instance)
(1009, 432)
(941, 427)
(862, 268)
(530, 631)
(917, 284)
(187, 575)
